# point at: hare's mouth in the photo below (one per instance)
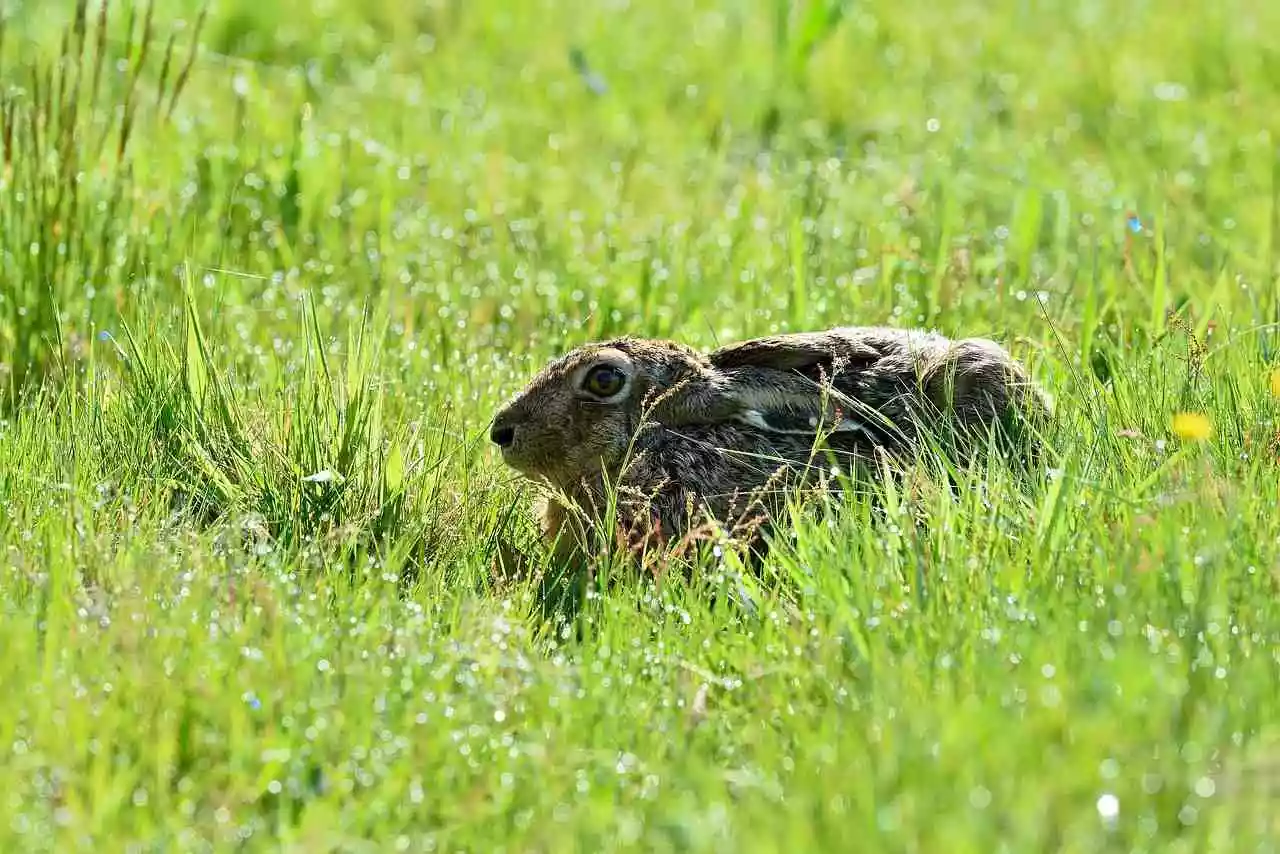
(539, 468)
(514, 457)
(511, 456)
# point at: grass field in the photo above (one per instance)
(260, 296)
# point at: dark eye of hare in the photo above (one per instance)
(604, 381)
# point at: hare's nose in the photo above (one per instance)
(502, 435)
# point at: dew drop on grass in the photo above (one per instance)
(1108, 807)
(980, 797)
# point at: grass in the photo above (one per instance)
(265, 274)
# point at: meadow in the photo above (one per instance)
(266, 272)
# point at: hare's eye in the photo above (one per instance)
(604, 381)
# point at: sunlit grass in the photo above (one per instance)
(255, 312)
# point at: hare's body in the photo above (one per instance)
(722, 435)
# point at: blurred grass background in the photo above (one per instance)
(265, 272)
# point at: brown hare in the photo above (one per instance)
(681, 438)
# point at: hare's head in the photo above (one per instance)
(577, 417)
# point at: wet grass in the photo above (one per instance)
(264, 275)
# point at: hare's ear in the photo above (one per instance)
(794, 403)
(804, 352)
(784, 383)
(777, 401)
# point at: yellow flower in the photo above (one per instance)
(1275, 382)
(1192, 426)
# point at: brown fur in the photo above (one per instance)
(723, 436)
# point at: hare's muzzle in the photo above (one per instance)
(511, 435)
(502, 435)
(502, 432)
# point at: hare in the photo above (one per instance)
(676, 435)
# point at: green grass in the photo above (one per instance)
(256, 309)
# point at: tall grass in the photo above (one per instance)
(265, 276)
(66, 123)
(323, 475)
